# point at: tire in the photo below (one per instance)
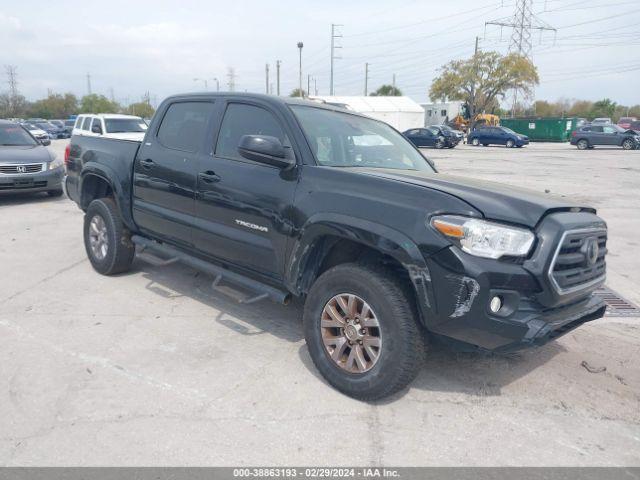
(485, 144)
(582, 144)
(55, 193)
(628, 144)
(402, 342)
(440, 143)
(117, 255)
(475, 142)
(510, 143)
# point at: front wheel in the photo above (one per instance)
(440, 142)
(510, 143)
(106, 239)
(628, 144)
(361, 331)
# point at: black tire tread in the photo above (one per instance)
(400, 298)
(124, 249)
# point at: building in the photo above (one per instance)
(402, 113)
(440, 113)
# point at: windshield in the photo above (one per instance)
(44, 126)
(122, 125)
(508, 130)
(344, 140)
(13, 135)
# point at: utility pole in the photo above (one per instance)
(475, 52)
(300, 45)
(393, 84)
(366, 77)
(315, 88)
(112, 95)
(278, 77)
(88, 83)
(334, 35)
(266, 73)
(523, 22)
(308, 84)
(215, 79)
(231, 82)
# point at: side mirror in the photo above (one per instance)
(46, 142)
(96, 129)
(265, 149)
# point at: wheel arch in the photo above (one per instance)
(328, 240)
(97, 181)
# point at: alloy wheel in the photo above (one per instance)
(351, 333)
(98, 239)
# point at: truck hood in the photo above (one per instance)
(24, 154)
(495, 200)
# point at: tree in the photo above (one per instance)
(386, 91)
(13, 106)
(296, 93)
(483, 79)
(141, 109)
(54, 106)
(98, 104)
(603, 108)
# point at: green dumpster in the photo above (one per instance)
(542, 129)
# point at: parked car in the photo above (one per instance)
(625, 122)
(38, 133)
(453, 137)
(601, 121)
(635, 126)
(68, 126)
(63, 133)
(287, 197)
(497, 136)
(432, 136)
(25, 164)
(124, 127)
(591, 135)
(52, 130)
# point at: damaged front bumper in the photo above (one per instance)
(462, 289)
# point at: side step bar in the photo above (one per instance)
(262, 290)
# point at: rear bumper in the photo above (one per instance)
(37, 182)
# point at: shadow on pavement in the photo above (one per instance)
(24, 198)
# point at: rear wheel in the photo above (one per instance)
(361, 331)
(628, 144)
(475, 142)
(582, 144)
(106, 239)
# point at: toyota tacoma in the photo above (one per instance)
(284, 197)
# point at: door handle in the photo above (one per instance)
(209, 177)
(147, 163)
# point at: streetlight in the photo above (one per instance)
(206, 87)
(300, 45)
(215, 79)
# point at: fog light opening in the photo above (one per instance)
(496, 304)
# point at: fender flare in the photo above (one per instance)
(121, 197)
(309, 250)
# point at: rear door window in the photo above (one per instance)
(242, 119)
(85, 123)
(596, 129)
(184, 126)
(96, 122)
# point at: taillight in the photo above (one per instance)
(67, 152)
(574, 133)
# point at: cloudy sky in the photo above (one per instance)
(160, 46)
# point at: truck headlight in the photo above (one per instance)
(55, 163)
(482, 238)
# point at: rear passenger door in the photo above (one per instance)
(243, 207)
(597, 135)
(165, 169)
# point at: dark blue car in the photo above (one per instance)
(433, 136)
(497, 136)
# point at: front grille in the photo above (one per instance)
(15, 169)
(578, 263)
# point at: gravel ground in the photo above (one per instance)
(152, 368)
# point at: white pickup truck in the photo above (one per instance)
(110, 125)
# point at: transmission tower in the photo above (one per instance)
(12, 81)
(523, 23)
(231, 82)
(336, 35)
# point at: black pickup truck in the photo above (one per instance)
(286, 197)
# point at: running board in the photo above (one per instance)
(262, 290)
